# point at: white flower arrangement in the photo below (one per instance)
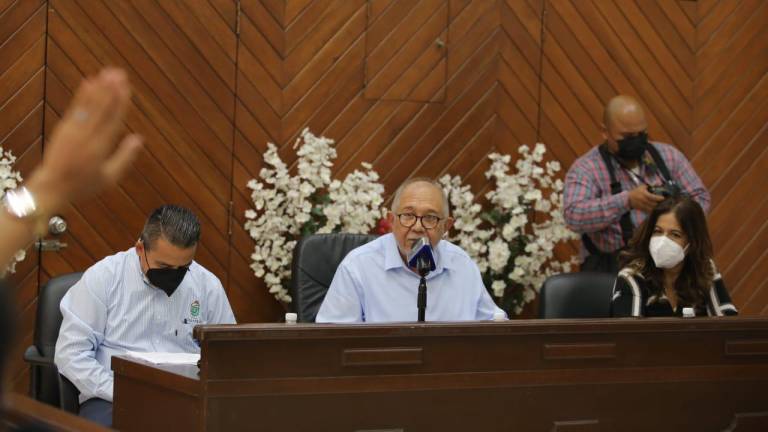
(288, 207)
(10, 179)
(514, 249)
(512, 241)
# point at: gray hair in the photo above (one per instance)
(410, 181)
(176, 224)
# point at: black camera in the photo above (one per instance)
(667, 190)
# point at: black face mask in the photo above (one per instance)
(166, 279)
(633, 147)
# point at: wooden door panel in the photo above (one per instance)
(406, 45)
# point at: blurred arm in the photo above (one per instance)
(81, 158)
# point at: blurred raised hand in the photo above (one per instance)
(87, 152)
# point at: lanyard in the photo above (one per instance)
(633, 175)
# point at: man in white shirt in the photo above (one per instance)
(375, 284)
(146, 299)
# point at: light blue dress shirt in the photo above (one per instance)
(113, 310)
(373, 284)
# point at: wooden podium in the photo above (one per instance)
(704, 374)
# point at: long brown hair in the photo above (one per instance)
(695, 278)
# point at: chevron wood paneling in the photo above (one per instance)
(595, 50)
(22, 86)
(215, 80)
(405, 50)
(730, 137)
(180, 59)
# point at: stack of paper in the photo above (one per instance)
(166, 358)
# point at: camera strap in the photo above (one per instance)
(659, 162)
(626, 222)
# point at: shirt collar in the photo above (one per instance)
(393, 260)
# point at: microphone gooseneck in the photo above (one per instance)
(421, 298)
(423, 261)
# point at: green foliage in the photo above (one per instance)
(319, 201)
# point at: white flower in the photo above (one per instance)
(498, 287)
(284, 205)
(9, 179)
(498, 254)
(528, 294)
(530, 199)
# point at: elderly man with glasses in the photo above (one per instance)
(375, 284)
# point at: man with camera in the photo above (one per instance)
(612, 188)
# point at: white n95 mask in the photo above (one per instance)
(665, 252)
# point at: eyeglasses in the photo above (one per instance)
(427, 221)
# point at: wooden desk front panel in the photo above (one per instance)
(270, 351)
(596, 407)
(161, 398)
(524, 375)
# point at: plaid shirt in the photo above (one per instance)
(591, 209)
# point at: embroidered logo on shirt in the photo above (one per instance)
(194, 309)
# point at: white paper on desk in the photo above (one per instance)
(166, 358)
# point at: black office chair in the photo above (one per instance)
(577, 295)
(69, 395)
(314, 263)
(44, 376)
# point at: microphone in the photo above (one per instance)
(420, 257)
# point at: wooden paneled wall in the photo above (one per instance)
(416, 87)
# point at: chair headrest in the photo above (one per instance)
(315, 260)
(577, 295)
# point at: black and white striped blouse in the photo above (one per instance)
(632, 297)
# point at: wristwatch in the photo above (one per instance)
(20, 204)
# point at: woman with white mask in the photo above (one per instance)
(668, 266)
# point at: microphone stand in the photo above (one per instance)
(421, 299)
